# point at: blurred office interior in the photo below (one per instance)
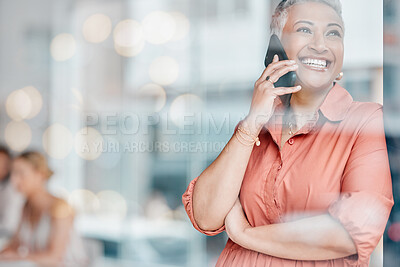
(132, 99)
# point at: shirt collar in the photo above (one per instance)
(335, 105)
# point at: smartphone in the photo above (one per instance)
(288, 80)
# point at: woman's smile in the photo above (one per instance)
(315, 63)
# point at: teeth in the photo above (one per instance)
(314, 62)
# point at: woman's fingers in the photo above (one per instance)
(274, 66)
(286, 90)
(274, 77)
(265, 93)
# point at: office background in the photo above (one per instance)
(131, 99)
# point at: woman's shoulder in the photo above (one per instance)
(364, 107)
(60, 209)
(360, 114)
(363, 111)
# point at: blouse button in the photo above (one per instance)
(280, 166)
(291, 141)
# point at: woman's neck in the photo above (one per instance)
(306, 101)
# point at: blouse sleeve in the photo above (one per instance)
(187, 200)
(367, 199)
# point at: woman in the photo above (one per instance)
(316, 188)
(45, 234)
(11, 202)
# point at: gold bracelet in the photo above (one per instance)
(237, 137)
(244, 137)
(254, 139)
(243, 130)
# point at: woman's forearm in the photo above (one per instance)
(43, 258)
(218, 186)
(314, 238)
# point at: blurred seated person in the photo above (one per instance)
(45, 234)
(11, 202)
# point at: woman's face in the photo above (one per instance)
(313, 37)
(25, 178)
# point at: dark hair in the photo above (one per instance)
(5, 151)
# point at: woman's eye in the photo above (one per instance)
(334, 33)
(305, 30)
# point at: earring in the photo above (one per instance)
(340, 76)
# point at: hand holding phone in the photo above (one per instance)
(278, 84)
(287, 80)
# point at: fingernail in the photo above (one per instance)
(298, 86)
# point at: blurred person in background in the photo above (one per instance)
(316, 188)
(11, 202)
(46, 234)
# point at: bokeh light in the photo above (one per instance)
(35, 99)
(157, 207)
(18, 105)
(18, 135)
(88, 143)
(112, 205)
(164, 70)
(63, 47)
(97, 28)
(156, 93)
(184, 108)
(57, 141)
(158, 27)
(182, 26)
(128, 38)
(127, 51)
(84, 201)
(24, 103)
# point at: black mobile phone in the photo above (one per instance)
(288, 80)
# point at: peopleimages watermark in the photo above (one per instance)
(147, 146)
(202, 123)
(129, 123)
(112, 132)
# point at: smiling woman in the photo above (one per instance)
(315, 190)
(315, 41)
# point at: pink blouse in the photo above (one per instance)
(337, 164)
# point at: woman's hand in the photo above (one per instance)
(236, 222)
(264, 94)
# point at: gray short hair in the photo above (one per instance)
(279, 17)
